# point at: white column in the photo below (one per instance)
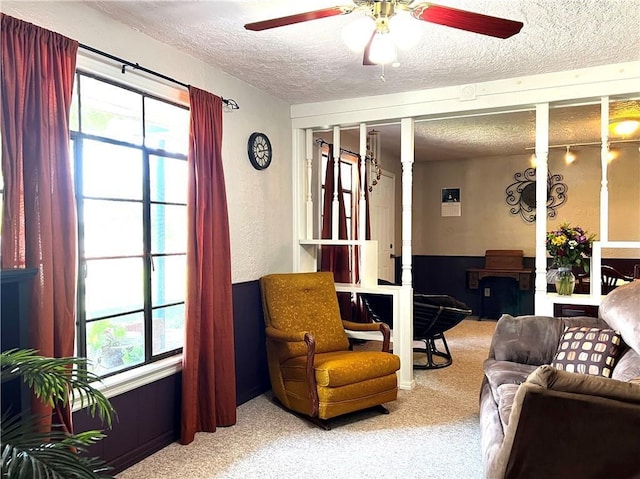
(406, 158)
(335, 211)
(603, 237)
(604, 159)
(542, 305)
(403, 324)
(309, 202)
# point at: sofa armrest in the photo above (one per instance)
(563, 427)
(550, 378)
(532, 340)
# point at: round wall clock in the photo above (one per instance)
(259, 150)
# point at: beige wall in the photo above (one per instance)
(486, 222)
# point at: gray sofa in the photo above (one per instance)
(544, 423)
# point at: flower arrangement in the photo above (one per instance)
(569, 246)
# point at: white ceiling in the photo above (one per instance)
(309, 62)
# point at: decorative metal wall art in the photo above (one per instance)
(521, 194)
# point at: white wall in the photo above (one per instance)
(260, 202)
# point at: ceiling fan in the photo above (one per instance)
(380, 48)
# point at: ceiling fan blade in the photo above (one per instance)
(298, 18)
(465, 20)
(367, 50)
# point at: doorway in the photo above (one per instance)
(382, 214)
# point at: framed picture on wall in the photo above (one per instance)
(450, 205)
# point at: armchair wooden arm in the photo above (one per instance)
(382, 327)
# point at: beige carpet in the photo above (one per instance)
(431, 432)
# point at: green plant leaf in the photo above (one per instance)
(27, 453)
(57, 380)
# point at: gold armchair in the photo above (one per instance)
(312, 369)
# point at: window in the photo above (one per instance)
(348, 163)
(130, 171)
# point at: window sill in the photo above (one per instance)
(135, 378)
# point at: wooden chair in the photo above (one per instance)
(313, 372)
(610, 277)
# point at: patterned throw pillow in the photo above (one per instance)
(588, 351)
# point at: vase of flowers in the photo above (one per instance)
(565, 281)
(569, 246)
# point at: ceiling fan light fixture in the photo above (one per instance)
(624, 126)
(356, 34)
(406, 32)
(383, 49)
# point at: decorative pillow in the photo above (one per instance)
(588, 351)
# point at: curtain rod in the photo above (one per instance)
(322, 142)
(231, 104)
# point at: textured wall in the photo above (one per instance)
(260, 211)
(486, 222)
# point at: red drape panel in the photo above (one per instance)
(335, 258)
(208, 365)
(39, 218)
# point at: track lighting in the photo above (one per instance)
(569, 156)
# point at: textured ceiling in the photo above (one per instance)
(309, 62)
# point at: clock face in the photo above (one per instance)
(259, 150)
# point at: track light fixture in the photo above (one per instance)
(569, 156)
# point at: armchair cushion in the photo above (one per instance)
(588, 351)
(339, 368)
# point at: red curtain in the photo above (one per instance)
(336, 258)
(39, 218)
(208, 365)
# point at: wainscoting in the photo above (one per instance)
(149, 417)
(448, 275)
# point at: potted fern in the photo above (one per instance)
(29, 453)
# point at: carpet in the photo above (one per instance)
(431, 432)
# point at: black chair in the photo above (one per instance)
(610, 277)
(433, 315)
